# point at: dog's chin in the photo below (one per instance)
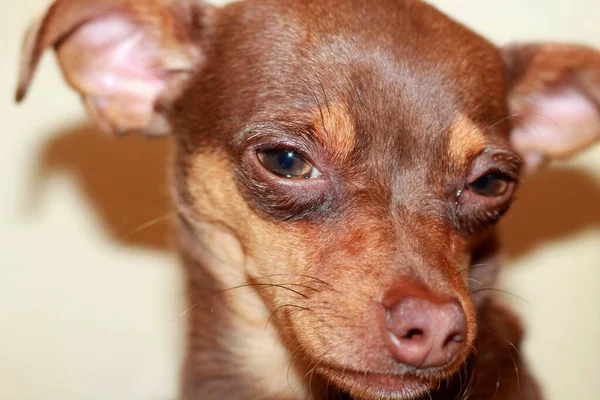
(373, 386)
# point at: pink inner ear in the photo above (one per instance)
(114, 64)
(556, 124)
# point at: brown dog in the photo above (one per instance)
(340, 166)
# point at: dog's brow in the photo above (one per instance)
(466, 139)
(333, 126)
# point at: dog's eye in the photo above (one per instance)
(491, 185)
(287, 164)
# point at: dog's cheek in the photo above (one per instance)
(485, 265)
(348, 266)
(268, 248)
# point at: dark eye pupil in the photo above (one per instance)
(287, 159)
(490, 185)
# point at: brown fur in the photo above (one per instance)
(400, 109)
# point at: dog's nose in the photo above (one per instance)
(426, 334)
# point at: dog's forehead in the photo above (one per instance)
(405, 49)
(393, 74)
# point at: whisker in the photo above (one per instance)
(541, 116)
(497, 387)
(490, 329)
(460, 378)
(260, 285)
(292, 275)
(474, 280)
(518, 375)
(499, 291)
(532, 125)
(273, 314)
(522, 118)
(502, 120)
(149, 224)
(301, 381)
(466, 391)
(471, 267)
(315, 365)
(292, 359)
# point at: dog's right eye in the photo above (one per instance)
(287, 164)
(491, 185)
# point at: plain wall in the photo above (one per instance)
(91, 295)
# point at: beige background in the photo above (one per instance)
(91, 297)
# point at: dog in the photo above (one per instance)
(340, 167)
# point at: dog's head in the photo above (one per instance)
(357, 154)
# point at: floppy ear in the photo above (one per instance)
(554, 94)
(128, 59)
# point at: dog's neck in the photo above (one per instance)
(234, 349)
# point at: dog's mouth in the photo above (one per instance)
(372, 385)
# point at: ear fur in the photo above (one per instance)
(124, 57)
(554, 94)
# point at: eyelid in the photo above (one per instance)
(273, 136)
(496, 160)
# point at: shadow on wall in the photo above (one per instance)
(553, 205)
(126, 179)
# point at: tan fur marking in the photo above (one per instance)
(233, 240)
(466, 139)
(335, 128)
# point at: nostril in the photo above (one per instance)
(414, 334)
(455, 337)
(426, 333)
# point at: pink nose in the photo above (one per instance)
(425, 334)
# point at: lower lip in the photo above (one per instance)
(381, 386)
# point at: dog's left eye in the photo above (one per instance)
(287, 164)
(491, 185)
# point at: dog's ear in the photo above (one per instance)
(554, 99)
(127, 58)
